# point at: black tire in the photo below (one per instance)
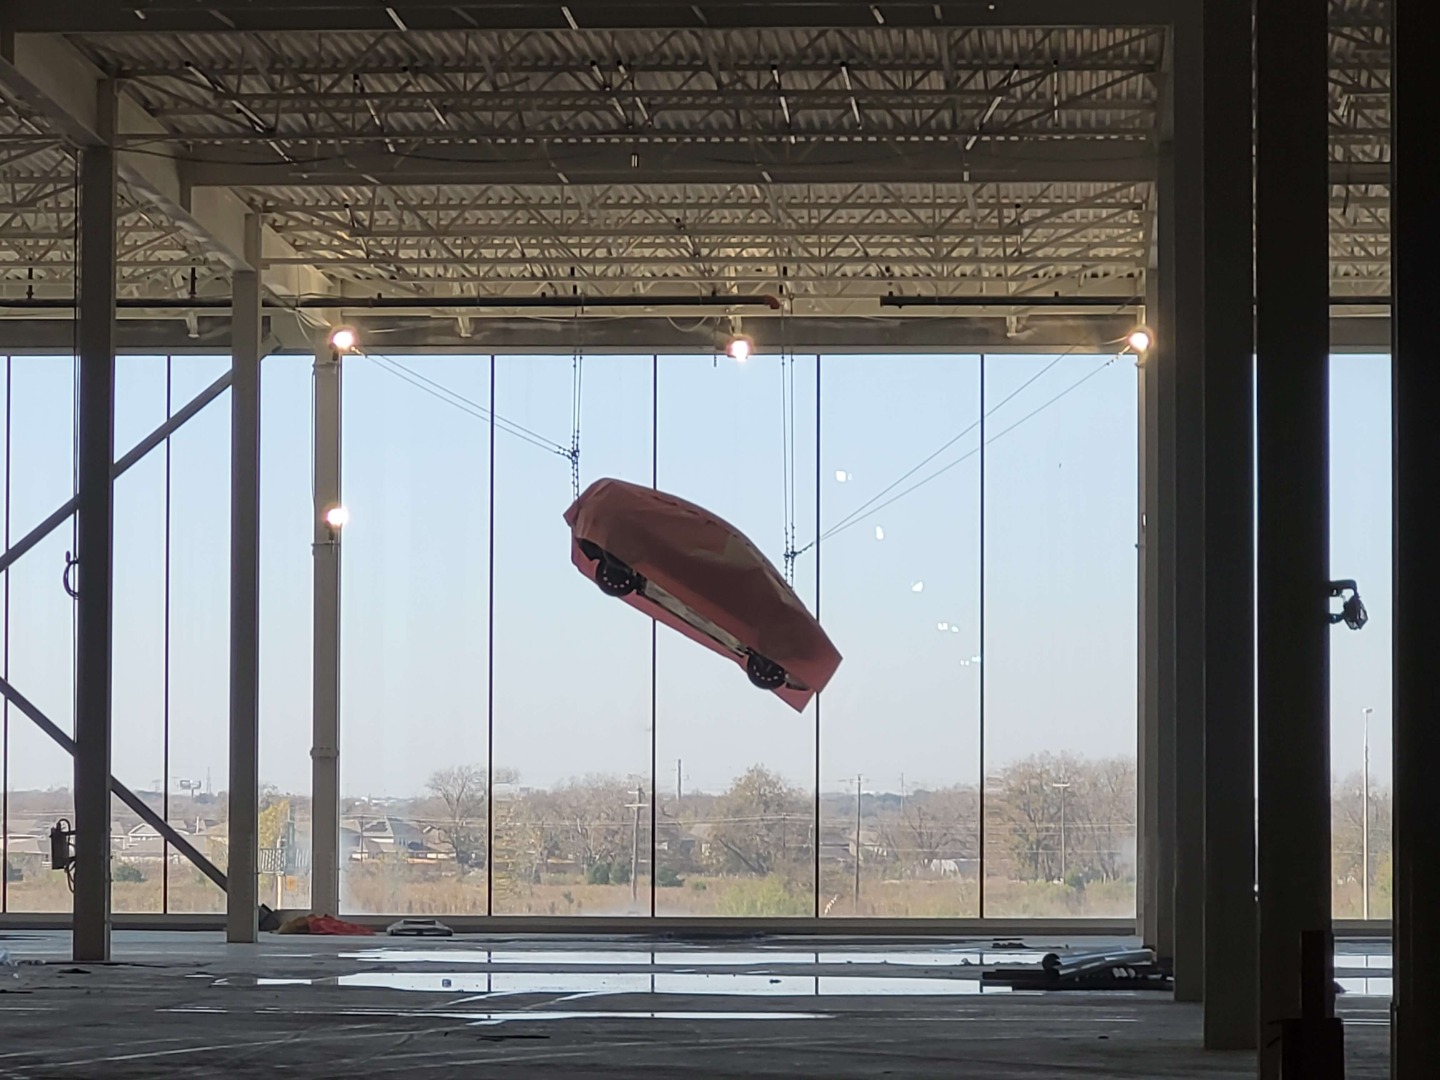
(764, 673)
(615, 578)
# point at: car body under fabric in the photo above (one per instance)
(699, 575)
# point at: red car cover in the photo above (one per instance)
(701, 576)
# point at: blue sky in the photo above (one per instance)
(572, 689)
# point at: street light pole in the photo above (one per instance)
(859, 781)
(1365, 818)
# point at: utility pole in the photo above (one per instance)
(1365, 817)
(1062, 787)
(859, 781)
(679, 785)
(638, 805)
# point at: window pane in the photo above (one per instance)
(199, 633)
(1060, 636)
(1360, 538)
(285, 631)
(415, 635)
(900, 596)
(737, 832)
(138, 687)
(572, 666)
(39, 627)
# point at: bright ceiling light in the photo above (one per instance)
(879, 532)
(343, 339)
(841, 476)
(919, 586)
(1140, 340)
(337, 517)
(740, 348)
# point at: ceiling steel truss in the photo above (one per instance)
(834, 162)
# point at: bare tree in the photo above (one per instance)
(463, 791)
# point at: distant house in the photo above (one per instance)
(364, 838)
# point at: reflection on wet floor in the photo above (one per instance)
(692, 958)
(498, 983)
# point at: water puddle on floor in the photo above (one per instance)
(482, 1019)
(674, 983)
(692, 959)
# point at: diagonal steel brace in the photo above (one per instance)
(128, 797)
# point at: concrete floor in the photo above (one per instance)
(185, 1004)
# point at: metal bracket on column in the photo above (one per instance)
(125, 795)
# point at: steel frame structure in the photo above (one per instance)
(836, 155)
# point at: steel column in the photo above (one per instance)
(325, 749)
(1158, 372)
(1292, 417)
(1189, 512)
(95, 546)
(242, 902)
(1415, 225)
(1230, 977)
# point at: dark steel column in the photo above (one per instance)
(241, 922)
(1155, 902)
(95, 550)
(1230, 979)
(1415, 226)
(1292, 414)
(1163, 536)
(1189, 464)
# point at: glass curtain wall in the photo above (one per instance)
(559, 745)
(515, 742)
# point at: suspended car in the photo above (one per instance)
(697, 574)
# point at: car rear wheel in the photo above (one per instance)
(615, 578)
(764, 673)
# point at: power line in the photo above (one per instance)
(459, 401)
(853, 520)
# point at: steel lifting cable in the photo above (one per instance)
(577, 373)
(787, 427)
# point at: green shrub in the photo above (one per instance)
(667, 878)
(772, 895)
(127, 872)
(599, 874)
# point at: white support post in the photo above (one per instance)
(325, 749)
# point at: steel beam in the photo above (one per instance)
(241, 904)
(95, 337)
(1189, 516)
(604, 166)
(562, 162)
(1230, 976)
(103, 16)
(1292, 418)
(58, 84)
(1415, 216)
(325, 746)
